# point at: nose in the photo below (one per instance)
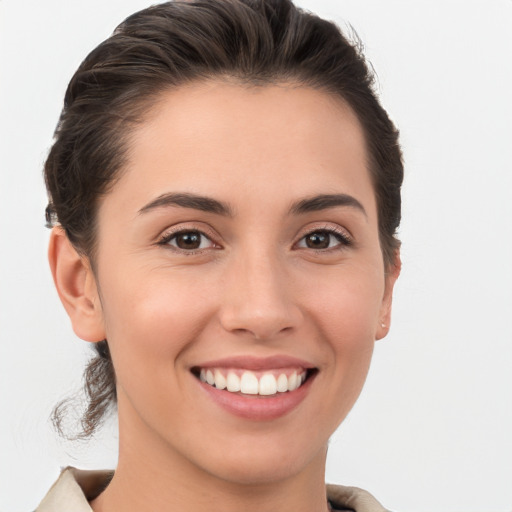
(258, 298)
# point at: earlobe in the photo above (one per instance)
(76, 286)
(392, 274)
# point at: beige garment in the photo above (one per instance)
(73, 489)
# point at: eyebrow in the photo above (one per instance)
(326, 201)
(186, 200)
(210, 205)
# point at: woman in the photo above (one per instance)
(224, 193)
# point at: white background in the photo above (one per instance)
(433, 427)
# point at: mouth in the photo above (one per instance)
(254, 388)
(243, 381)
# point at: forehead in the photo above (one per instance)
(217, 138)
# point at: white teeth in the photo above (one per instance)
(233, 382)
(268, 385)
(300, 379)
(292, 382)
(249, 383)
(282, 383)
(220, 380)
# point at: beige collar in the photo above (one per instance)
(75, 487)
(73, 490)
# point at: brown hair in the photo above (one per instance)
(256, 42)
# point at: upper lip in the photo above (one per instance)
(257, 363)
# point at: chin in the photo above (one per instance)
(251, 473)
(263, 465)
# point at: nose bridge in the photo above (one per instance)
(258, 298)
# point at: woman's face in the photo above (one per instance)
(241, 246)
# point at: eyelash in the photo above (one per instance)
(168, 237)
(342, 237)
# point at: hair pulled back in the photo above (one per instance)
(256, 42)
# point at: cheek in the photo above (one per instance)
(347, 304)
(346, 310)
(150, 320)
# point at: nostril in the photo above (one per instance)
(257, 299)
(261, 325)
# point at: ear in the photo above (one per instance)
(392, 273)
(76, 286)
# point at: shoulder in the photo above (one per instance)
(345, 498)
(73, 490)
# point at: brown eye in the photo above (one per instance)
(318, 240)
(324, 239)
(188, 241)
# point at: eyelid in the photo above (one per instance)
(336, 230)
(168, 234)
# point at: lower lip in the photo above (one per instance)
(258, 407)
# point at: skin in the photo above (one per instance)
(254, 287)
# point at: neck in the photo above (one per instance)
(152, 476)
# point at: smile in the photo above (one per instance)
(247, 382)
(255, 388)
